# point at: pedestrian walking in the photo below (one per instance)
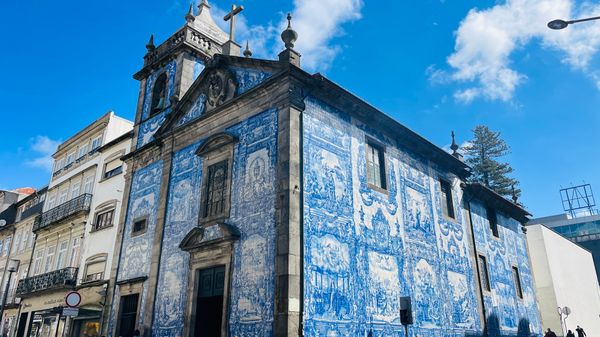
(580, 332)
(570, 334)
(550, 333)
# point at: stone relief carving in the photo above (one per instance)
(220, 88)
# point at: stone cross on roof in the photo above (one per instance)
(231, 18)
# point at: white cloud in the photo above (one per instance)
(43, 147)
(317, 22)
(487, 38)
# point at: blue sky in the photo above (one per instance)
(434, 65)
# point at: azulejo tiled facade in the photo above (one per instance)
(302, 244)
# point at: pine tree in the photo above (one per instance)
(481, 154)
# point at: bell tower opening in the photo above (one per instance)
(159, 94)
(210, 288)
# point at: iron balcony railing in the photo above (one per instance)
(56, 279)
(79, 204)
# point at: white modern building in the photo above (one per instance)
(565, 276)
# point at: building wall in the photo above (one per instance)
(252, 189)
(504, 308)
(108, 194)
(565, 276)
(364, 249)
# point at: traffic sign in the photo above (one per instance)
(73, 299)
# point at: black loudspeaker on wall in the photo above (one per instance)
(406, 316)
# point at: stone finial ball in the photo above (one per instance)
(289, 36)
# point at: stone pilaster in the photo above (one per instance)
(288, 283)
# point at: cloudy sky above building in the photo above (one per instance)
(434, 65)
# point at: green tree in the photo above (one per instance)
(482, 153)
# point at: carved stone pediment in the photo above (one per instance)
(216, 142)
(220, 87)
(200, 237)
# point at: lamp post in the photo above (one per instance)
(562, 24)
(11, 267)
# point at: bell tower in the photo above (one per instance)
(171, 67)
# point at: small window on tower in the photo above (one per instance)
(159, 94)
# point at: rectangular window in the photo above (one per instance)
(88, 185)
(6, 249)
(17, 241)
(63, 196)
(70, 158)
(51, 201)
(75, 252)
(517, 279)
(139, 226)
(75, 189)
(60, 164)
(96, 142)
(216, 187)
(104, 219)
(113, 168)
(375, 166)
(49, 258)
(31, 240)
(37, 265)
(483, 270)
(24, 238)
(94, 271)
(446, 199)
(493, 221)
(62, 254)
(83, 149)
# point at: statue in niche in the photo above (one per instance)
(221, 87)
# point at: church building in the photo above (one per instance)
(263, 200)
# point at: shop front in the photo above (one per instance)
(48, 315)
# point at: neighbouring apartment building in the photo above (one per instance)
(20, 247)
(262, 200)
(564, 277)
(73, 236)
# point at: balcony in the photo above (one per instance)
(57, 279)
(63, 211)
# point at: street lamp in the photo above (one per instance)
(11, 267)
(562, 24)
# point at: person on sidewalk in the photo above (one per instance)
(580, 332)
(550, 333)
(570, 334)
